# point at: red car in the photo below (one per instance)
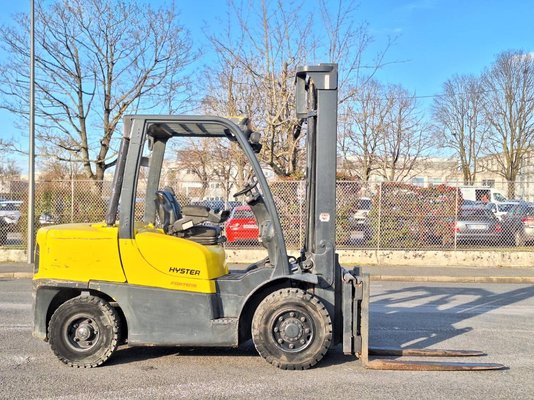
(242, 225)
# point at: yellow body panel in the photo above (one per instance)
(159, 260)
(79, 252)
(90, 252)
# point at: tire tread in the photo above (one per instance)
(107, 310)
(279, 295)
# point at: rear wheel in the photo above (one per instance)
(84, 331)
(292, 329)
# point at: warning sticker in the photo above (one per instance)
(324, 217)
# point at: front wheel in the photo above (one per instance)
(292, 329)
(84, 331)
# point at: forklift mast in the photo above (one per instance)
(316, 105)
(316, 98)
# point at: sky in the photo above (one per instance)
(435, 39)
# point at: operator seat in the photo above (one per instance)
(188, 222)
(168, 208)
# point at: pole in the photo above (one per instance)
(71, 193)
(31, 149)
(379, 217)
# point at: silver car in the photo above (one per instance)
(477, 224)
(10, 211)
(518, 224)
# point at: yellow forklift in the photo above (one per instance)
(158, 276)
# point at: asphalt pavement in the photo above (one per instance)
(495, 319)
(402, 273)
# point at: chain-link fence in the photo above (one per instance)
(385, 215)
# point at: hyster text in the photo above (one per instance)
(184, 271)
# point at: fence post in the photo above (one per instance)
(379, 216)
(71, 199)
(455, 214)
(300, 196)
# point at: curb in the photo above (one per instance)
(383, 278)
(455, 279)
(16, 275)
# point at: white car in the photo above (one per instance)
(10, 211)
(364, 206)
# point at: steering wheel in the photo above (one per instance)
(250, 185)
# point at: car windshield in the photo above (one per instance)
(476, 215)
(499, 197)
(9, 206)
(530, 211)
(505, 207)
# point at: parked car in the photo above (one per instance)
(4, 227)
(10, 211)
(362, 212)
(477, 224)
(501, 209)
(47, 219)
(217, 205)
(472, 203)
(214, 205)
(359, 230)
(518, 224)
(242, 225)
(230, 205)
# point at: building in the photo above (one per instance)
(440, 170)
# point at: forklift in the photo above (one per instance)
(158, 276)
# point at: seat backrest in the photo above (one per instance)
(168, 208)
(174, 201)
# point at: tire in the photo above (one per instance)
(519, 239)
(84, 332)
(291, 329)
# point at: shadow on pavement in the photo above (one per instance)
(442, 304)
(125, 354)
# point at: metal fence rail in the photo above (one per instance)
(386, 215)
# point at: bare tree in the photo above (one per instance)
(509, 110)
(209, 161)
(383, 133)
(54, 170)
(405, 140)
(194, 157)
(271, 41)
(348, 42)
(460, 124)
(363, 129)
(95, 61)
(227, 166)
(230, 93)
(269, 46)
(8, 168)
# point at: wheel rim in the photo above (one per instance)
(293, 330)
(81, 332)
